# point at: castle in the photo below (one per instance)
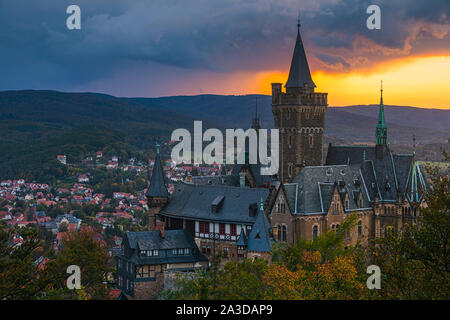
(241, 214)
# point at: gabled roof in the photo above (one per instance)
(299, 73)
(157, 186)
(255, 171)
(312, 189)
(259, 238)
(152, 240)
(242, 241)
(384, 173)
(326, 191)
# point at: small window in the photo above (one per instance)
(284, 231)
(359, 228)
(180, 252)
(155, 253)
(187, 251)
(222, 228)
(225, 252)
(315, 232)
(174, 252)
(311, 140)
(204, 227)
(233, 229)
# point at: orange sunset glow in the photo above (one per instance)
(413, 81)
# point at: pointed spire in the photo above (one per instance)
(157, 186)
(299, 73)
(260, 238)
(255, 123)
(381, 128)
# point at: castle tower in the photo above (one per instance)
(157, 195)
(299, 114)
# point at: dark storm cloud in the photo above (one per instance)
(37, 50)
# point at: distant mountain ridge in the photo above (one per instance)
(353, 123)
(35, 124)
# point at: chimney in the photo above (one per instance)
(160, 226)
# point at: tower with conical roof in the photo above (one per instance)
(157, 194)
(381, 128)
(299, 114)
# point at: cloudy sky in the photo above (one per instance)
(160, 47)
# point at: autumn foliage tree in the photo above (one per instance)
(415, 261)
(22, 278)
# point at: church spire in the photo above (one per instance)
(157, 187)
(299, 73)
(255, 123)
(381, 129)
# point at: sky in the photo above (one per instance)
(187, 47)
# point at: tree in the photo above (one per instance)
(236, 280)
(82, 249)
(415, 262)
(316, 279)
(20, 278)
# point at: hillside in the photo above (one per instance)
(353, 124)
(37, 125)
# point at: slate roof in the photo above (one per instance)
(152, 240)
(386, 174)
(242, 241)
(228, 180)
(310, 192)
(299, 73)
(352, 155)
(260, 238)
(194, 202)
(255, 170)
(157, 186)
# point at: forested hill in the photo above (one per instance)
(36, 125)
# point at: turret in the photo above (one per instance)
(157, 194)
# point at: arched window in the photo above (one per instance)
(315, 231)
(311, 140)
(279, 233)
(360, 228)
(284, 231)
